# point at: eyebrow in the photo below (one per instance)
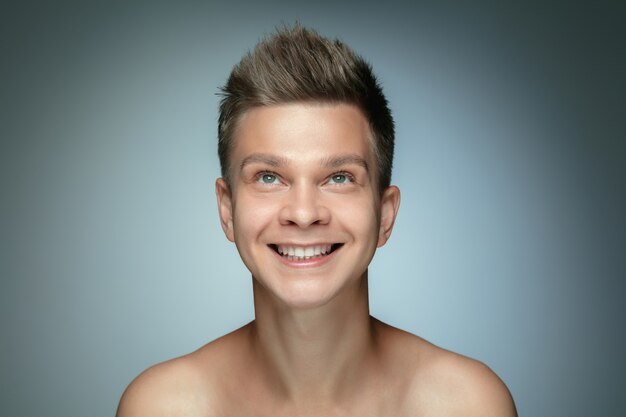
(348, 159)
(330, 162)
(271, 160)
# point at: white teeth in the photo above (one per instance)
(299, 253)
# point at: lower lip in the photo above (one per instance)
(306, 263)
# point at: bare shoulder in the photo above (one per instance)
(186, 386)
(169, 388)
(462, 386)
(444, 383)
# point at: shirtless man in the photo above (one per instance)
(306, 147)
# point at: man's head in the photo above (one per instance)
(298, 65)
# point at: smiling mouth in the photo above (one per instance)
(302, 253)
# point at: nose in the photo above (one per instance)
(304, 207)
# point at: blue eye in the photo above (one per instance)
(339, 179)
(268, 179)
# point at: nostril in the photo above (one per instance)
(304, 209)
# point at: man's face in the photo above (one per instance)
(304, 209)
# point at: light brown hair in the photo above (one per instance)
(298, 65)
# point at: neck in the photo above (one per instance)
(314, 353)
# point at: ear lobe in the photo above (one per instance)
(225, 207)
(389, 205)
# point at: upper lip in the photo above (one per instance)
(310, 248)
(303, 245)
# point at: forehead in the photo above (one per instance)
(302, 132)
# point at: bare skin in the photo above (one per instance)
(303, 177)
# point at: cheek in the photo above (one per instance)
(252, 216)
(360, 214)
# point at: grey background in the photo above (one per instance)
(510, 242)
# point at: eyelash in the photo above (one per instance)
(260, 175)
(348, 176)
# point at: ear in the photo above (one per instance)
(225, 207)
(389, 204)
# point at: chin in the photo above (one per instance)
(306, 302)
(305, 295)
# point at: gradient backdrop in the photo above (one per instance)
(510, 243)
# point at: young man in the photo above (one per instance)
(306, 148)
